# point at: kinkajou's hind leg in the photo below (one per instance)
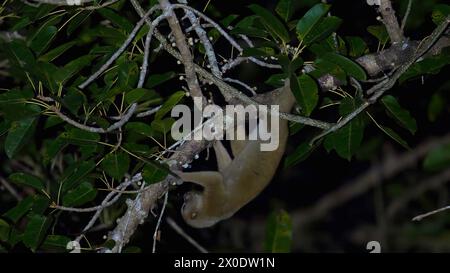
(237, 146)
(222, 155)
(204, 179)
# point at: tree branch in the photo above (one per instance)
(185, 52)
(390, 21)
(379, 89)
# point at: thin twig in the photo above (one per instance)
(420, 217)
(155, 234)
(149, 112)
(432, 183)
(246, 86)
(148, 40)
(109, 202)
(119, 51)
(183, 234)
(227, 36)
(94, 218)
(10, 188)
(111, 128)
(405, 17)
(94, 7)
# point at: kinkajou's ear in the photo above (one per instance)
(222, 155)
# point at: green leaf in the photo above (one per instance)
(40, 204)
(258, 51)
(311, 18)
(116, 164)
(56, 52)
(80, 137)
(279, 233)
(77, 21)
(43, 38)
(324, 29)
(436, 106)
(19, 111)
(15, 237)
(323, 66)
(337, 44)
(18, 135)
(153, 173)
(35, 231)
(20, 55)
(271, 23)
(140, 128)
(289, 66)
(48, 74)
(437, 159)
(285, 8)
(72, 68)
(141, 94)
(440, 12)
(356, 46)
(306, 92)
(109, 244)
(132, 249)
(250, 31)
(52, 148)
(141, 149)
(82, 194)
(21, 23)
(27, 180)
(379, 32)
(15, 96)
(401, 115)
(73, 99)
(225, 22)
(4, 230)
(350, 67)
(300, 154)
(392, 134)
(4, 127)
(55, 242)
(128, 75)
(22, 208)
(162, 125)
(347, 140)
(173, 100)
(116, 19)
(76, 173)
(276, 80)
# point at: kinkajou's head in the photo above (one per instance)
(193, 213)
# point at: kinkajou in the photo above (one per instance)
(239, 179)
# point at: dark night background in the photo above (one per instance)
(349, 226)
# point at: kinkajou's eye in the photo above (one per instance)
(193, 215)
